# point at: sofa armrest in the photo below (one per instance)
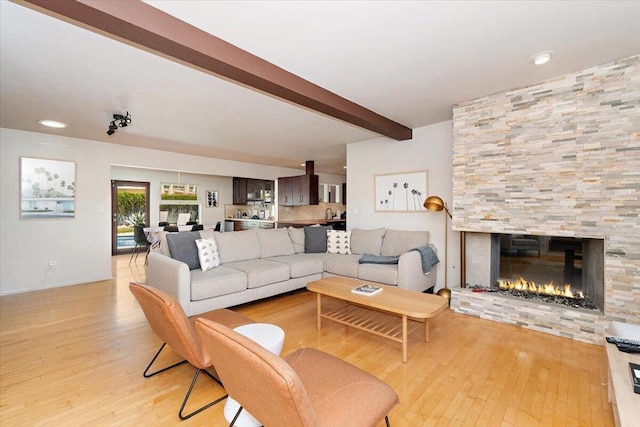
(170, 276)
(410, 274)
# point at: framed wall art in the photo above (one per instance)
(47, 188)
(212, 199)
(401, 192)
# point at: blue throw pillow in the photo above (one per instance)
(183, 247)
(315, 239)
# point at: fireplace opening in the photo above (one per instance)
(554, 269)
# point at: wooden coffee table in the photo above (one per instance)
(376, 313)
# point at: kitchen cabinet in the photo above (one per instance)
(298, 190)
(251, 190)
(239, 191)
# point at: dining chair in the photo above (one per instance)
(183, 218)
(307, 388)
(170, 323)
(140, 239)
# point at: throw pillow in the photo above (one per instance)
(183, 247)
(208, 254)
(315, 238)
(338, 242)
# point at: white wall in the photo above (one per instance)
(431, 150)
(81, 246)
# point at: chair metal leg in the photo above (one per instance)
(146, 373)
(134, 252)
(235, 417)
(186, 398)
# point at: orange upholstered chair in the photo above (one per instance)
(306, 388)
(170, 323)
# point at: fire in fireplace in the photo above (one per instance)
(546, 289)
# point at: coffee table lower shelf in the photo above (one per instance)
(386, 325)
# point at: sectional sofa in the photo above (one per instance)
(260, 263)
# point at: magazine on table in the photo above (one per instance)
(366, 290)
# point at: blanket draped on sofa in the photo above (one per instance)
(427, 254)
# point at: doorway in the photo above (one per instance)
(129, 207)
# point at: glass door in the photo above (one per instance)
(129, 207)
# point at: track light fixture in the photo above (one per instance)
(124, 121)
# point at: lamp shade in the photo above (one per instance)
(434, 203)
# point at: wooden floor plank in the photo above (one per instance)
(75, 356)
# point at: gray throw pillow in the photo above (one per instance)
(315, 239)
(183, 247)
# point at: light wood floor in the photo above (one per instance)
(75, 356)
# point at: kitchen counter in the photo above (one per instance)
(270, 221)
(245, 223)
(338, 224)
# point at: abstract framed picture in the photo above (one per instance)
(400, 192)
(212, 199)
(47, 188)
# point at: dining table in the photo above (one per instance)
(153, 233)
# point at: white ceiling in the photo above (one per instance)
(407, 60)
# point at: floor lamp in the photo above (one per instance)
(435, 203)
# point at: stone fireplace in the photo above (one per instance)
(560, 159)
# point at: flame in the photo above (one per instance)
(546, 289)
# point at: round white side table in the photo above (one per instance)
(268, 336)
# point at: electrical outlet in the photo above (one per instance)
(53, 264)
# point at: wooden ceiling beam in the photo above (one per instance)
(151, 28)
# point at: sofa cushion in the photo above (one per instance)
(344, 265)
(208, 254)
(183, 248)
(315, 238)
(338, 242)
(297, 238)
(381, 273)
(301, 265)
(214, 283)
(367, 241)
(261, 272)
(397, 242)
(238, 245)
(207, 234)
(275, 242)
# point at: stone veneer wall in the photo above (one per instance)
(559, 158)
(581, 325)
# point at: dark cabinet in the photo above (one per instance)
(251, 190)
(298, 190)
(239, 191)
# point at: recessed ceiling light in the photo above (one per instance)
(52, 124)
(541, 58)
